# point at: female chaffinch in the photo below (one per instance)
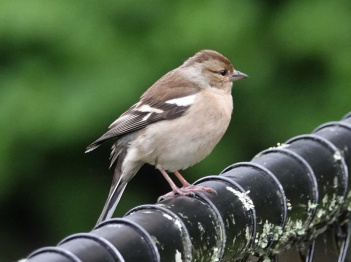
(177, 123)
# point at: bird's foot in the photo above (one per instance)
(186, 191)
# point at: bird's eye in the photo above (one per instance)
(223, 72)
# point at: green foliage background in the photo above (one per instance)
(69, 68)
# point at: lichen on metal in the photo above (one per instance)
(243, 197)
(279, 146)
(270, 232)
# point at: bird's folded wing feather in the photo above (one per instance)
(145, 113)
(168, 98)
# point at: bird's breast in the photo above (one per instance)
(179, 143)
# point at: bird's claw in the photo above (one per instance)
(186, 191)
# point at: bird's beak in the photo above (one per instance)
(237, 76)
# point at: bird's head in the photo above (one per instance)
(213, 68)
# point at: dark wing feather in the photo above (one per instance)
(134, 119)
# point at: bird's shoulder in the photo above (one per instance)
(169, 98)
(174, 84)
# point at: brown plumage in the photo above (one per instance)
(176, 123)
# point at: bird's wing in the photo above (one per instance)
(142, 114)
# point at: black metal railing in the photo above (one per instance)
(285, 203)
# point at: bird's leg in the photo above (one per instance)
(181, 179)
(169, 180)
(187, 188)
(175, 189)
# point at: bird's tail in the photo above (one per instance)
(119, 183)
(113, 198)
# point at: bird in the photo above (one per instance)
(176, 124)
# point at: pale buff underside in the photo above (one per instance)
(187, 143)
